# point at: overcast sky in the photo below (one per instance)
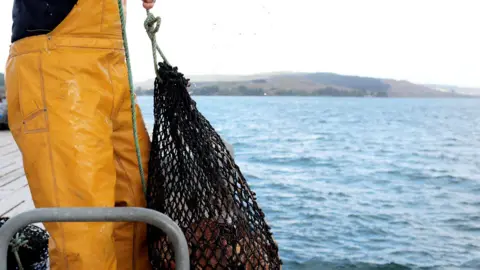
(424, 41)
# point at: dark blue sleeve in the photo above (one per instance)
(37, 17)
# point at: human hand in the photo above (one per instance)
(148, 4)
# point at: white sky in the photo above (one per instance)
(424, 41)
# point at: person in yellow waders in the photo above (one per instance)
(69, 112)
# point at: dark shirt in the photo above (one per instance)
(38, 17)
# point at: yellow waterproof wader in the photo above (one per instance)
(69, 112)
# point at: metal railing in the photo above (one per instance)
(133, 214)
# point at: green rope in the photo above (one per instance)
(132, 96)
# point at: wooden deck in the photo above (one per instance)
(14, 192)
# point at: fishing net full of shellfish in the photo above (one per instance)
(194, 180)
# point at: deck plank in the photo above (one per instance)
(15, 195)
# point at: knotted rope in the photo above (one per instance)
(152, 25)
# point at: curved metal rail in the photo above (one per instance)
(98, 214)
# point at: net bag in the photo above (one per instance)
(194, 180)
(31, 243)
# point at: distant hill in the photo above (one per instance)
(311, 84)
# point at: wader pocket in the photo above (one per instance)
(31, 92)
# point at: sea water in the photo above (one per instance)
(359, 183)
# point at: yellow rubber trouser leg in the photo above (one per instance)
(59, 106)
(131, 245)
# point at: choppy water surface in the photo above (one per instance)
(360, 183)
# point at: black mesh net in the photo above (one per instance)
(194, 180)
(32, 243)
